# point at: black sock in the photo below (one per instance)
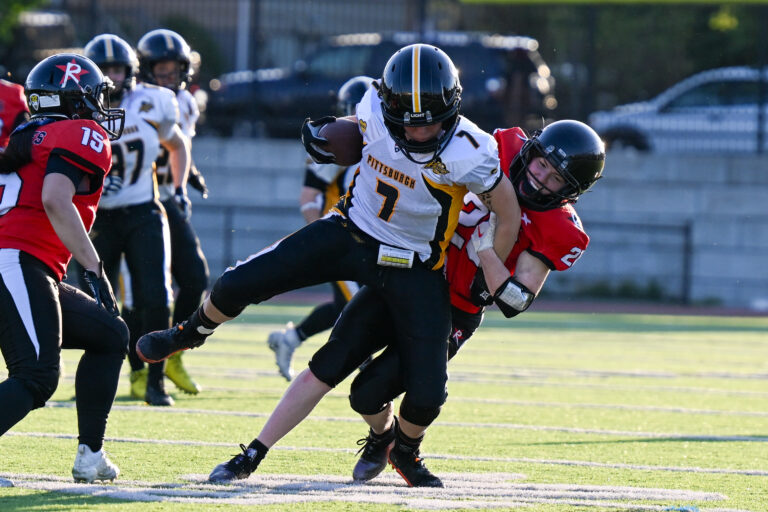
(261, 449)
(409, 442)
(205, 321)
(200, 324)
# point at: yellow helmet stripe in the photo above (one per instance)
(416, 85)
(109, 52)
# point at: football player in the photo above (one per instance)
(165, 61)
(324, 184)
(550, 171)
(131, 222)
(13, 109)
(390, 231)
(51, 178)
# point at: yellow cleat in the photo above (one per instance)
(139, 383)
(174, 370)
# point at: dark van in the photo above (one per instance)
(504, 78)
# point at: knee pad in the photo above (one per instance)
(223, 294)
(419, 415)
(122, 336)
(362, 401)
(41, 382)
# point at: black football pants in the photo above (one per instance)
(38, 317)
(140, 233)
(415, 301)
(381, 381)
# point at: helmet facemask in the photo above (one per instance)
(97, 103)
(577, 155)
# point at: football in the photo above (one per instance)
(344, 141)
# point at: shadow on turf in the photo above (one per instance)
(45, 500)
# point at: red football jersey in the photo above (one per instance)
(12, 103)
(24, 225)
(556, 237)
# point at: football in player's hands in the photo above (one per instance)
(344, 141)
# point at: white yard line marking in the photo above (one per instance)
(557, 462)
(513, 426)
(462, 490)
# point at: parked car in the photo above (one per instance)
(712, 111)
(504, 78)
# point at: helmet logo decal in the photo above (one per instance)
(71, 70)
(34, 101)
(416, 85)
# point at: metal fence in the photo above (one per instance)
(629, 260)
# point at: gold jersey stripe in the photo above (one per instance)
(456, 193)
(416, 86)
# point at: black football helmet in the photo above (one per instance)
(163, 44)
(110, 50)
(573, 149)
(351, 93)
(71, 86)
(419, 87)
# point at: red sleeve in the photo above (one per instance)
(80, 142)
(556, 237)
(510, 141)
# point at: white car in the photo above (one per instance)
(712, 111)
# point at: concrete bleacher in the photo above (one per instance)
(694, 227)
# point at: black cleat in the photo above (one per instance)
(156, 395)
(157, 346)
(238, 468)
(407, 462)
(375, 450)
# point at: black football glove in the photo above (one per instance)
(101, 290)
(185, 205)
(479, 290)
(197, 182)
(310, 137)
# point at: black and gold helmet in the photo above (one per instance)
(163, 44)
(419, 87)
(110, 50)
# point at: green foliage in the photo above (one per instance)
(9, 15)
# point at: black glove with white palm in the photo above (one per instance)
(310, 137)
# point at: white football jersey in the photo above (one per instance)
(150, 115)
(416, 206)
(189, 113)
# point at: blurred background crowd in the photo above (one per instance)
(675, 90)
